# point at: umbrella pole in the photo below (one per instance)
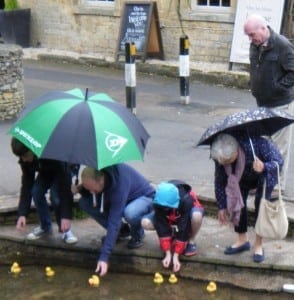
(251, 144)
(252, 148)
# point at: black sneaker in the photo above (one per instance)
(135, 243)
(124, 232)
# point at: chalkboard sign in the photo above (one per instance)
(140, 25)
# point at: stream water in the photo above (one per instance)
(72, 283)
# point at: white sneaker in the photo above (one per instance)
(69, 237)
(37, 233)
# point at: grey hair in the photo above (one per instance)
(91, 173)
(224, 147)
(257, 20)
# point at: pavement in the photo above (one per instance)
(170, 154)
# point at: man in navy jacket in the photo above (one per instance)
(108, 196)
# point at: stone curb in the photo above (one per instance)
(207, 73)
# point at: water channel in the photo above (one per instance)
(72, 283)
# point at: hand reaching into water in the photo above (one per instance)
(167, 259)
(176, 263)
(102, 268)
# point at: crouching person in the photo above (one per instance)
(177, 218)
(110, 195)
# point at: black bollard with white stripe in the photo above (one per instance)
(184, 70)
(130, 76)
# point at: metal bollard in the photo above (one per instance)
(184, 70)
(130, 76)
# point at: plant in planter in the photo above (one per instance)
(15, 23)
(11, 4)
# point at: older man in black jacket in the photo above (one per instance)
(272, 77)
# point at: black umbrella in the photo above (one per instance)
(256, 122)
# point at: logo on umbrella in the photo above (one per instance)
(28, 137)
(114, 142)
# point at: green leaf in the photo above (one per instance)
(11, 4)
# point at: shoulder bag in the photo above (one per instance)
(272, 221)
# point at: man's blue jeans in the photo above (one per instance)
(133, 213)
(40, 188)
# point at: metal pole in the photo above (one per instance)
(184, 70)
(130, 76)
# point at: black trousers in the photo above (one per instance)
(243, 224)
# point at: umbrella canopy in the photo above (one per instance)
(256, 122)
(82, 128)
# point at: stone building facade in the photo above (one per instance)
(92, 26)
(11, 81)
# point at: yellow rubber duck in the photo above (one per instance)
(94, 281)
(49, 272)
(15, 268)
(211, 287)
(158, 278)
(173, 278)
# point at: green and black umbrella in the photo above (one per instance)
(80, 127)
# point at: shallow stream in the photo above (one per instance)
(72, 283)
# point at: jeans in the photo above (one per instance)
(55, 202)
(41, 185)
(133, 213)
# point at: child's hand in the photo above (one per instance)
(167, 259)
(176, 263)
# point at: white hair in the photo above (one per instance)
(224, 147)
(255, 20)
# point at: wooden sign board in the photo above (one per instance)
(140, 25)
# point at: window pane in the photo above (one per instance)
(226, 3)
(219, 3)
(214, 2)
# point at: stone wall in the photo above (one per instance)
(74, 26)
(11, 81)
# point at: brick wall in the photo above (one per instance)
(69, 25)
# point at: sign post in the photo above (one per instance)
(271, 10)
(140, 25)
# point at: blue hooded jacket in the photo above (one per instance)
(122, 185)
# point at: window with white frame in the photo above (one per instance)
(94, 7)
(215, 6)
(214, 3)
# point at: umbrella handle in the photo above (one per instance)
(252, 148)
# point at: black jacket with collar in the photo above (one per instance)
(50, 170)
(272, 71)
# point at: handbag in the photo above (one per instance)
(272, 221)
